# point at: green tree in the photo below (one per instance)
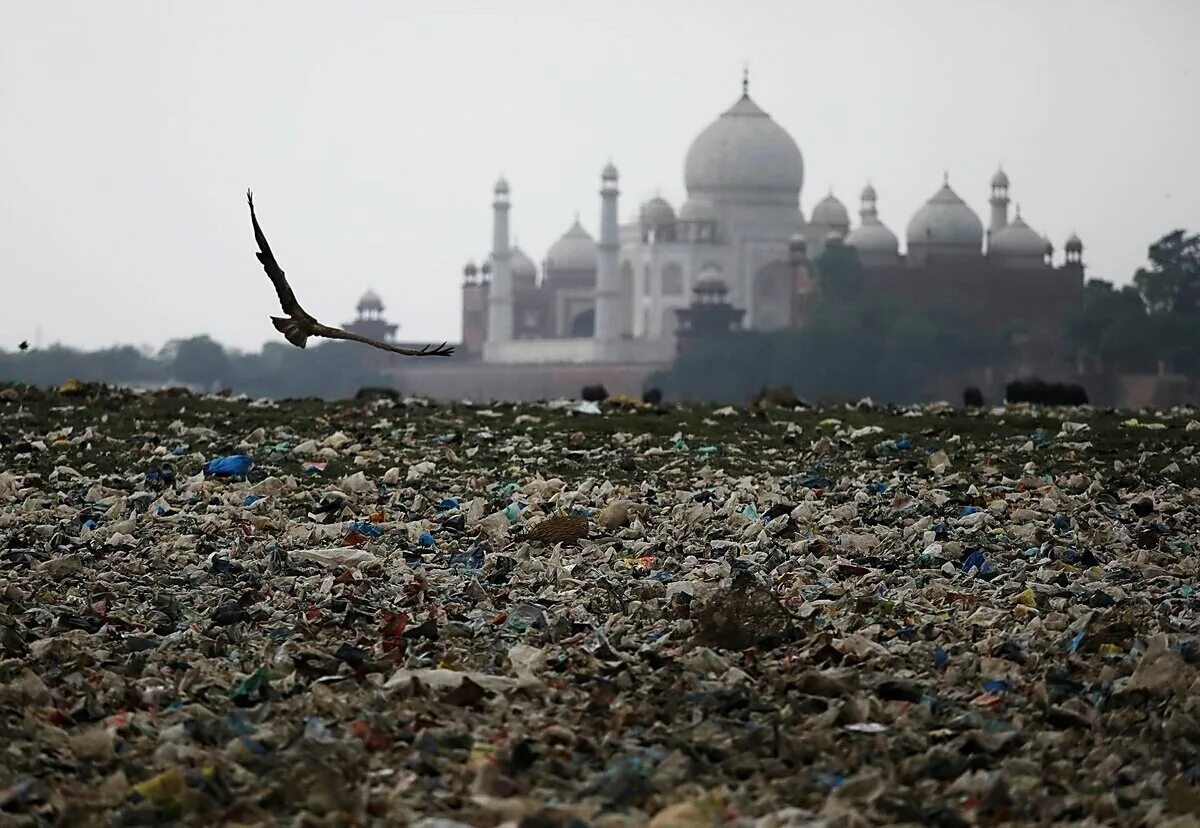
(1172, 282)
(199, 361)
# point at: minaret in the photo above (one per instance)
(868, 212)
(1074, 248)
(999, 201)
(500, 310)
(608, 286)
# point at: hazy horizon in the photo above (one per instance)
(372, 133)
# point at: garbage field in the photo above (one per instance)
(594, 614)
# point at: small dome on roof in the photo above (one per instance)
(470, 269)
(370, 301)
(711, 285)
(656, 212)
(501, 186)
(697, 209)
(798, 241)
(945, 220)
(831, 212)
(523, 268)
(868, 193)
(873, 237)
(609, 173)
(575, 250)
(1000, 179)
(1074, 244)
(1017, 239)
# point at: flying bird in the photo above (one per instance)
(299, 325)
(24, 346)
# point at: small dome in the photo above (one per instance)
(711, 285)
(609, 173)
(576, 250)
(744, 152)
(501, 186)
(470, 269)
(868, 193)
(1017, 239)
(486, 267)
(873, 237)
(1000, 179)
(834, 237)
(945, 220)
(698, 209)
(798, 241)
(656, 212)
(523, 268)
(1074, 244)
(1049, 249)
(370, 301)
(831, 212)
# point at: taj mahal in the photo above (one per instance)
(616, 299)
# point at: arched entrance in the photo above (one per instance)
(583, 325)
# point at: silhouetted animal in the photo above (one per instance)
(373, 393)
(652, 396)
(1038, 392)
(778, 396)
(298, 325)
(24, 346)
(595, 393)
(972, 398)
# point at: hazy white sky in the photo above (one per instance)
(372, 132)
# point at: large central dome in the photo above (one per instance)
(744, 155)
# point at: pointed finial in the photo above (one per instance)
(745, 80)
(945, 176)
(1018, 209)
(577, 215)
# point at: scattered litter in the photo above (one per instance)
(650, 616)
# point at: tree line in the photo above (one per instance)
(330, 370)
(858, 343)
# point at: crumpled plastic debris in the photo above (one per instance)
(766, 617)
(234, 464)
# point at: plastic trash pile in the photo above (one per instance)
(240, 612)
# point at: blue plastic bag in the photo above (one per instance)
(230, 465)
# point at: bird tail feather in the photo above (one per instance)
(291, 330)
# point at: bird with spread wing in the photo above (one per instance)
(299, 325)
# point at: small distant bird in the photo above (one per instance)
(24, 346)
(298, 325)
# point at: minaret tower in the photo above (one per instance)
(999, 201)
(608, 286)
(868, 212)
(500, 302)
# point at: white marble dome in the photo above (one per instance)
(744, 154)
(945, 220)
(656, 212)
(873, 237)
(831, 212)
(576, 250)
(522, 267)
